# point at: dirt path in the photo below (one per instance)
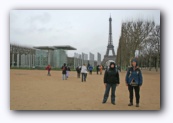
(34, 90)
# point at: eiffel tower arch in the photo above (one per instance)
(110, 46)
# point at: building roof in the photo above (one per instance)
(64, 47)
(45, 48)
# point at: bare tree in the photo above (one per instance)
(156, 35)
(138, 35)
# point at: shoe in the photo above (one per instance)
(137, 105)
(113, 103)
(104, 102)
(130, 104)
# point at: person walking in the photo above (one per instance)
(48, 68)
(78, 70)
(97, 68)
(134, 81)
(90, 68)
(101, 68)
(84, 72)
(111, 80)
(68, 71)
(64, 71)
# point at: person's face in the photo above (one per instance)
(133, 64)
(112, 65)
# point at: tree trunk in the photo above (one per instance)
(150, 63)
(157, 62)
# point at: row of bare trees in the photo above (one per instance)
(143, 36)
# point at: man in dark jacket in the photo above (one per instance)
(97, 68)
(64, 71)
(134, 81)
(111, 80)
(78, 69)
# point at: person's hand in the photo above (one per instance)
(105, 84)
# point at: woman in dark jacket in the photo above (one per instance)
(134, 81)
(111, 80)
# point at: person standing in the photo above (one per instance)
(48, 68)
(78, 69)
(111, 80)
(64, 71)
(90, 68)
(134, 81)
(119, 68)
(97, 68)
(68, 71)
(101, 68)
(84, 72)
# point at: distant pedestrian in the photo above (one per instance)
(78, 70)
(97, 68)
(48, 68)
(111, 80)
(84, 72)
(68, 72)
(90, 68)
(119, 68)
(134, 82)
(64, 71)
(101, 68)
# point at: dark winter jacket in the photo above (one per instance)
(111, 75)
(68, 69)
(78, 69)
(98, 67)
(134, 75)
(64, 69)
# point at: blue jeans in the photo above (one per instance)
(106, 95)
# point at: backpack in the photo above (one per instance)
(63, 68)
(77, 68)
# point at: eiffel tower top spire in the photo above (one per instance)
(110, 42)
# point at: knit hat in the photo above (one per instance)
(134, 60)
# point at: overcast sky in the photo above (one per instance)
(86, 30)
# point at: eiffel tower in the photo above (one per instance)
(110, 46)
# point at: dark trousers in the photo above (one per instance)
(48, 73)
(84, 75)
(137, 95)
(90, 71)
(106, 94)
(78, 74)
(97, 71)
